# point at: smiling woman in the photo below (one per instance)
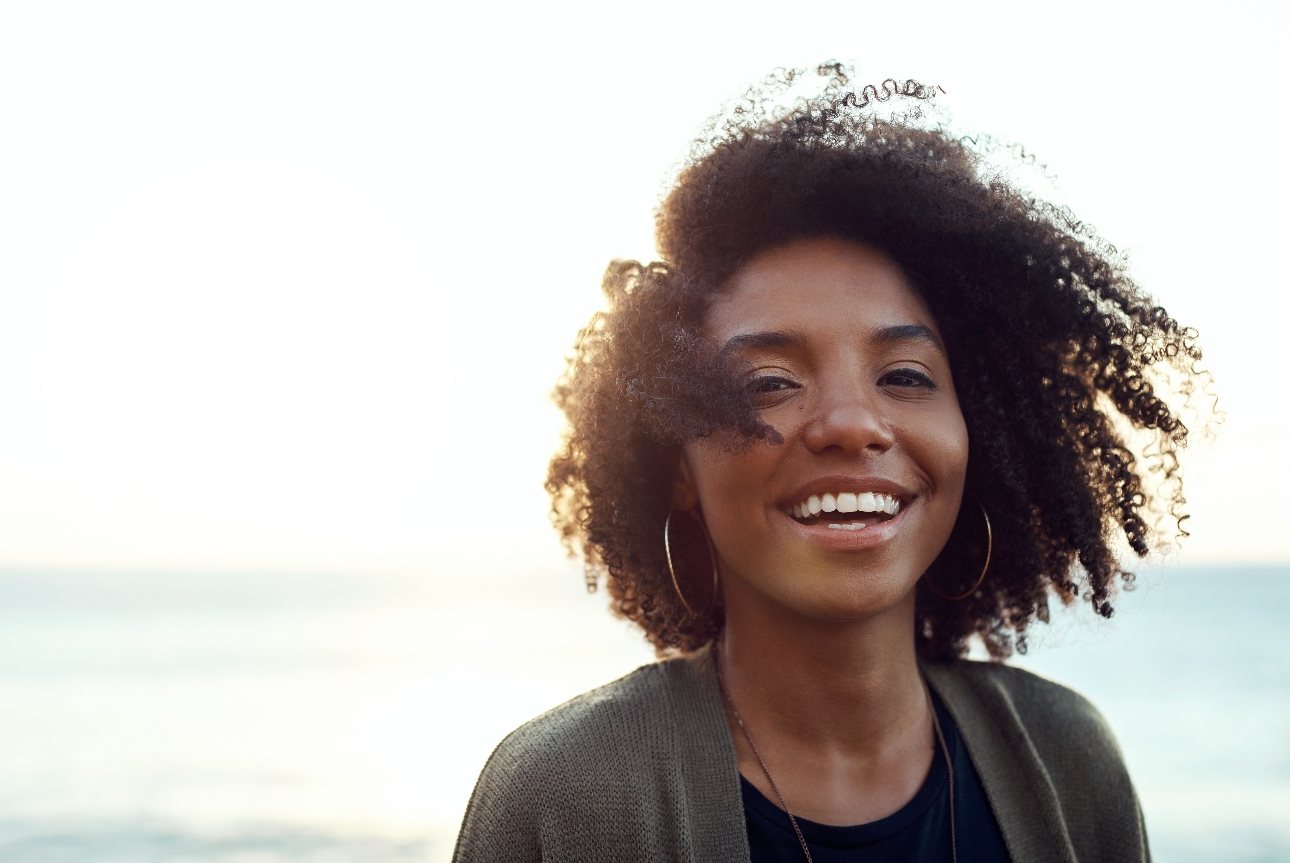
(868, 406)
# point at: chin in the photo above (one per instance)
(859, 597)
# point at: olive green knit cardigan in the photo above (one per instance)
(644, 769)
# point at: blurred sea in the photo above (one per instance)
(204, 718)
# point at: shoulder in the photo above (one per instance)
(1011, 707)
(614, 757)
(1044, 707)
(546, 767)
(1040, 747)
(672, 692)
(601, 719)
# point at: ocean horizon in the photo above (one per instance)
(245, 718)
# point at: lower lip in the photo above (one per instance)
(850, 540)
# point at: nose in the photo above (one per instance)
(849, 420)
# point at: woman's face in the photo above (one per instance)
(841, 519)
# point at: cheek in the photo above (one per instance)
(716, 473)
(956, 449)
(729, 483)
(944, 454)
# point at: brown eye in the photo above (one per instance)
(908, 379)
(769, 389)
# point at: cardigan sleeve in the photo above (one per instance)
(1049, 763)
(642, 769)
(1086, 767)
(501, 820)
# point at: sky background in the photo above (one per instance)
(284, 287)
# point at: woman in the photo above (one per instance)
(873, 403)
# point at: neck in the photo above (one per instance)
(850, 685)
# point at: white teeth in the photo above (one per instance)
(846, 502)
(835, 527)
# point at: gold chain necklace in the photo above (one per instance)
(739, 720)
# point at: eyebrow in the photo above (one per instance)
(762, 341)
(884, 336)
(908, 333)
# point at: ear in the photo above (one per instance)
(685, 494)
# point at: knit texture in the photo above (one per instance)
(644, 769)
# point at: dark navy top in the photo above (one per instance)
(919, 831)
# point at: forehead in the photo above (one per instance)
(822, 287)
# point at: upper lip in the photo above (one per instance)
(849, 483)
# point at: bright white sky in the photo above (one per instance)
(284, 286)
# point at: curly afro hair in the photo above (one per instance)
(1060, 363)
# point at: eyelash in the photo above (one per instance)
(758, 386)
(922, 381)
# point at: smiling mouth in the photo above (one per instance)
(845, 511)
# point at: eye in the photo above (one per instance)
(767, 390)
(907, 378)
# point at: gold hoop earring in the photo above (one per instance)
(667, 551)
(989, 549)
